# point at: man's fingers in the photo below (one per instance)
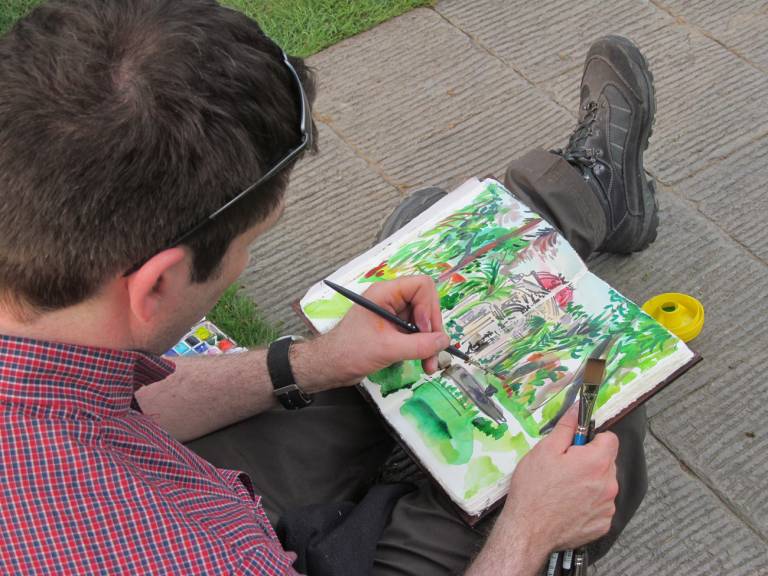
(430, 365)
(418, 346)
(426, 311)
(398, 294)
(607, 442)
(561, 435)
(412, 298)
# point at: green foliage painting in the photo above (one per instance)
(520, 301)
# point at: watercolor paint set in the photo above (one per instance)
(204, 339)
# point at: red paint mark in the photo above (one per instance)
(549, 281)
(378, 270)
(564, 296)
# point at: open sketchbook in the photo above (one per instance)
(516, 297)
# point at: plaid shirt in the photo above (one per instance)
(92, 486)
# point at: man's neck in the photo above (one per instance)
(88, 324)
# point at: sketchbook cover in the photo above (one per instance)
(518, 298)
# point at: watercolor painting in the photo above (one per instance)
(519, 300)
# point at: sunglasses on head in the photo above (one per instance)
(306, 142)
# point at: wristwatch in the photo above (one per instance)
(279, 366)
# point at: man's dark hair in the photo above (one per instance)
(122, 124)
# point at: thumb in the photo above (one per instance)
(561, 435)
(422, 345)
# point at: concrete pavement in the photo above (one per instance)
(438, 95)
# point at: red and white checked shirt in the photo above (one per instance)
(89, 485)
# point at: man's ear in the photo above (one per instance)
(158, 282)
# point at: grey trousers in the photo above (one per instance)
(333, 450)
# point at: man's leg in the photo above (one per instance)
(328, 452)
(595, 192)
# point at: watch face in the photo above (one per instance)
(204, 339)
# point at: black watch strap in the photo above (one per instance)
(279, 367)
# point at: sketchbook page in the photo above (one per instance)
(434, 243)
(472, 428)
(493, 260)
(545, 366)
(517, 297)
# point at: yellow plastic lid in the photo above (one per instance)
(681, 314)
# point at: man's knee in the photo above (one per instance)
(632, 476)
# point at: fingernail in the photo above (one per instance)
(442, 340)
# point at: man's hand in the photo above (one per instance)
(567, 491)
(363, 342)
(561, 496)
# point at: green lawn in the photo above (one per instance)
(11, 10)
(239, 317)
(301, 27)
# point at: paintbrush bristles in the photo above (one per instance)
(594, 371)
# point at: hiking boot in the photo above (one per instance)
(408, 209)
(615, 122)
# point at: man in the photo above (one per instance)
(144, 146)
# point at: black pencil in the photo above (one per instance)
(387, 315)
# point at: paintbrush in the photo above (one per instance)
(397, 321)
(593, 378)
(594, 372)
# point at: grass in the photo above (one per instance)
(302, 28)
(241, 319)
(12, 10)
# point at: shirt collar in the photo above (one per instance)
(97, 380)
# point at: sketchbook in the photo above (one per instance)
(518, 298)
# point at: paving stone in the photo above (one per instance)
(431, 112)
(543, 40)
(335, 206)
(682, 528)
(692, 255)
(732, 194)
(721, 430)
(739, 24)
(710, 103)
(418, 101)
(722, 435)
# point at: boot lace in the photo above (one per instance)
(575, 152)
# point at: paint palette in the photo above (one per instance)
(206, 339)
